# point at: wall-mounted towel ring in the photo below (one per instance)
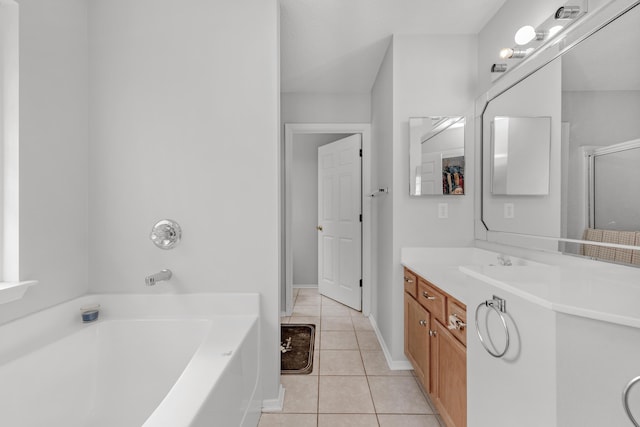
(379, 192)
(500, 307)
(625, 400)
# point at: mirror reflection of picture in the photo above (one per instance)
(453, 175)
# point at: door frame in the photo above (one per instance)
(364, 129)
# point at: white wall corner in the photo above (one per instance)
(394, 365)
(274, 405)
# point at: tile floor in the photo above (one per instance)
(351, 385)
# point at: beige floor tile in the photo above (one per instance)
(376, 364)
(288, 420)
(344, 395)
(361, 323)
(284, 320)
(308, 300)
(328, 302)
(408, 421)
(307, 291)
(333, 310)
(301, 393)
(347, 420)
(306, 311)
(337, 324)
(355, 313)
(398, 395)
(341, 362)
(338, 340)
(367, 340)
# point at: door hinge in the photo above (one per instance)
(361, 152)
(360, 217)
(360, 282)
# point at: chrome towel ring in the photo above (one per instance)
(625, 400)
(500, 307)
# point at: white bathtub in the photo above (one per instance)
(150, 360)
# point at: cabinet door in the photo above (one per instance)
(416, 338)
(450, 366)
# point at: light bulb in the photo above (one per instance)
(555, 30)
(505, 53)
(525, 34)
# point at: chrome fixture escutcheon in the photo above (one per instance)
(166, 234)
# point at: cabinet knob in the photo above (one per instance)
(422, 322)
(427, 296)
(432, 333)
(406, 279)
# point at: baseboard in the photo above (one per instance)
(394, 365)
(274, 405)
(305, 286)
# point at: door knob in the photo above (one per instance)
(319, 228)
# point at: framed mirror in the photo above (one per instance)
(591, 205)
(436, 155)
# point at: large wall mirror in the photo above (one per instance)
(436, 155)
(589, 190)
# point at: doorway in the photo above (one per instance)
(294, 134)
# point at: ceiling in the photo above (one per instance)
(337, 46)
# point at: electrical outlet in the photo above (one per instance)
(443, 210)
(509, 210)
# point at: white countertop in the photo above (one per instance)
(597, 290)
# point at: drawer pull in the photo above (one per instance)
(432, 333)
(625, 400)
(427, 296)
(423, 323)
(406, 279)
(456, 323)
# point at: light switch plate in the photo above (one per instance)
(443, 210)
(509, 210)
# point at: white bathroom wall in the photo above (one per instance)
(304, 187)
(326, 107)
(421, 76)
(433, 76)
(53, 95)
(184, 125)
(382, 207)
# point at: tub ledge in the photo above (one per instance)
(12, 291)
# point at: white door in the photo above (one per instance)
(339, 226)
(431, 174)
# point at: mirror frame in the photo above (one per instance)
(584, 28)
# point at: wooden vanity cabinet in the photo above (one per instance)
(450, 376)
(416, 338)
(436, 347)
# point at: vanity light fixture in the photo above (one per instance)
(498, 68)
(555, 30)
(526, 34)
(567, 12)
(508, 53)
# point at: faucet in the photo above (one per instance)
(158, 277)
(504, 260)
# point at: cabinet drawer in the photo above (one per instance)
(410, 282)
(432, 299)
(457, 311)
